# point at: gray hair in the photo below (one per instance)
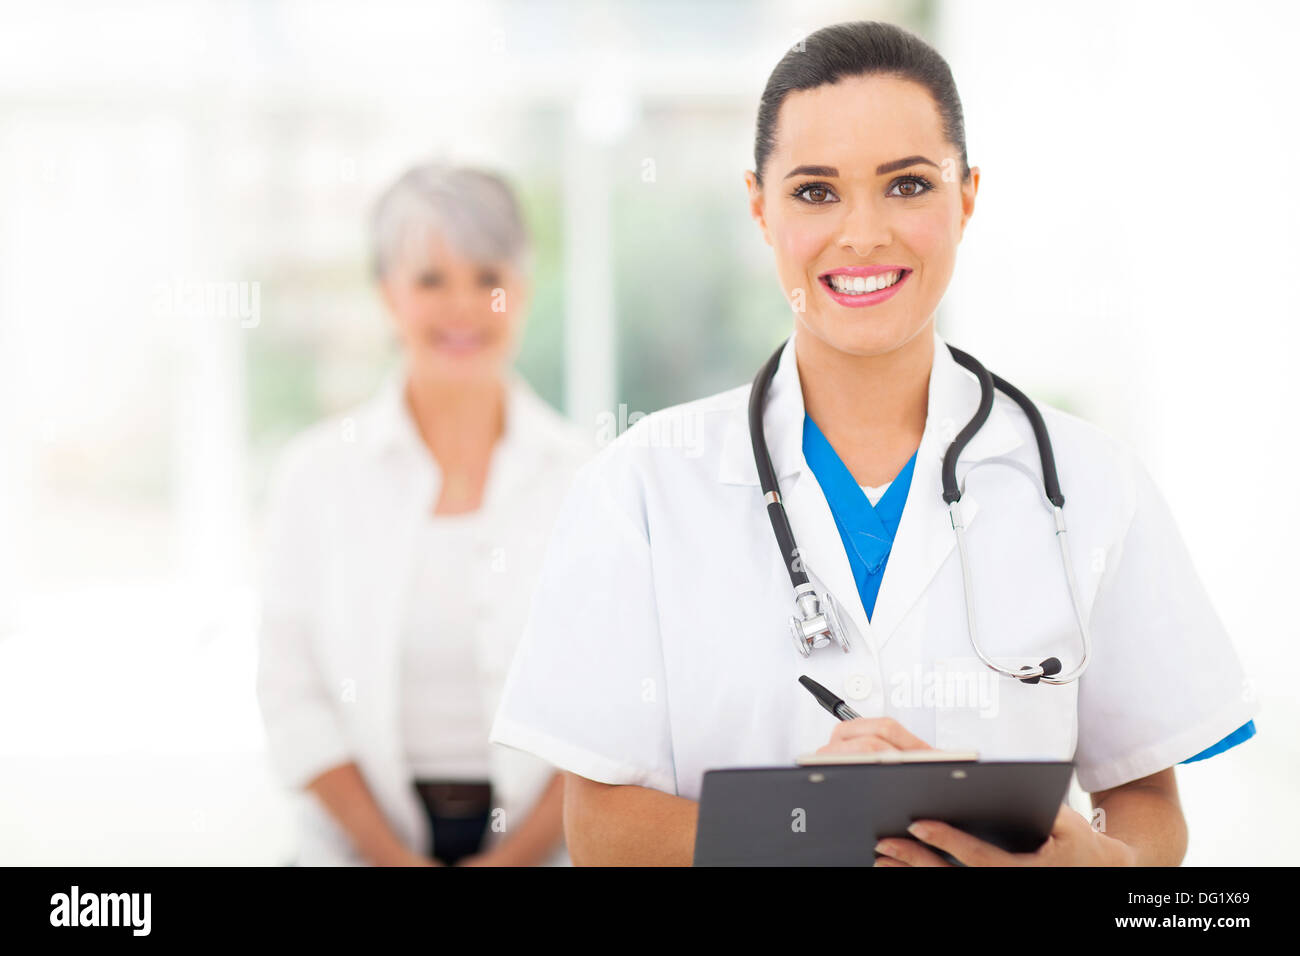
(473, 211)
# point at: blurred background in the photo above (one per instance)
(183, 284)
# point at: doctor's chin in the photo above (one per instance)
(560, 436)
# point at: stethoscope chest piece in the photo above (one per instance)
(817, 624)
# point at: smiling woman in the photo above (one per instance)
(659, 647)
(830, 190)
(451, 256)
(864, 215)
(404, 540)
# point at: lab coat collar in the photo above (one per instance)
(925, 536)
(953, 397)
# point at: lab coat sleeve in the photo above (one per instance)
(1164, 681)
(586, 689)
(303, 735)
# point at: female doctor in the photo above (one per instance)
(660, 643)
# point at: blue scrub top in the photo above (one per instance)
(867, 531)
(1240, 735)
(868, 534)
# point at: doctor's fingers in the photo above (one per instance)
(960, 845)
(895, 851)
(886, 729)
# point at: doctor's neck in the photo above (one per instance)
(875, 405)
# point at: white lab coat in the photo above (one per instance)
(346, 499)
(659, 647)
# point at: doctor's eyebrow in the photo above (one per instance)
(901, 163)
(813, 171)
(881, 170)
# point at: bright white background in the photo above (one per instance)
(1131, 258)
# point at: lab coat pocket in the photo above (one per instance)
(1002, 718)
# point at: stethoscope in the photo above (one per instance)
(816, 623)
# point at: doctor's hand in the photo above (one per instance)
(1073, 842)
(869, 734)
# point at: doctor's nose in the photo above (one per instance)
(864, 231)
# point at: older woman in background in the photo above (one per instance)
(404, 539)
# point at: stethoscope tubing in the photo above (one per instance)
(767, 475)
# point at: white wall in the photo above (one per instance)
(1133, 252)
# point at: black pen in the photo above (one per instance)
(828, 700)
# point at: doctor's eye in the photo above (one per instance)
(815, 194)
(489, 278)
(920, 185)
(429, 280)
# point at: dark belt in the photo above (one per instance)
(455, 798)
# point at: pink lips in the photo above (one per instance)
(456, 341)
(865, 298)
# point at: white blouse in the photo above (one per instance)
(351, 580)
(444, 726)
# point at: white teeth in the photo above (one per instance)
(861, 285)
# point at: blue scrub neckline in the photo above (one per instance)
(866, 530)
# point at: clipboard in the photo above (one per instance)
(833, 814)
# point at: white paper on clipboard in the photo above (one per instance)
(888, 756)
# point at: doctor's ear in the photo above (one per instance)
(968, 190)
(756, 204)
